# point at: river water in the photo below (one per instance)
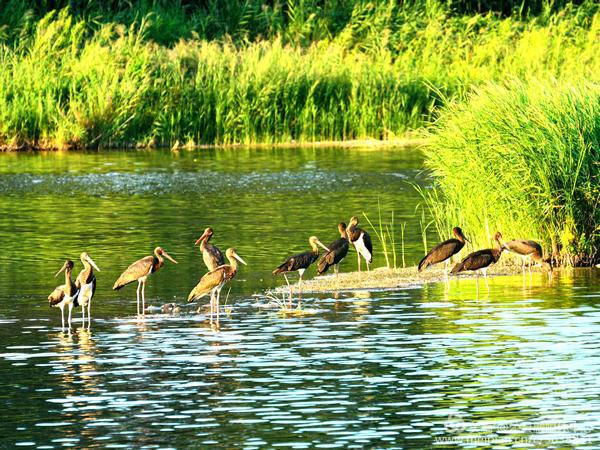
(444, 366)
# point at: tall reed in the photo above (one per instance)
(522, 157)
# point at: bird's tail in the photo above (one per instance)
(459, 267)
(323, 265)
(281, 269)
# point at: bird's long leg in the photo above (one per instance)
(89, 313)
(358, 258)
(446, 263)
(143, 298)
(70, 310)
(219, 300)
(83, 315)
(336, 268)
(62, 315)
(368, 268)
(138, 296)
(484, 271)
(289, 288)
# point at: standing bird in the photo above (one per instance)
(482, 259)
(212, 256)
(86, 284)
(65, 294)
(213, 281)
(139, 271)
(301, 261)
(338, 250)
(361, 241)
(444, 251)
(528, 251)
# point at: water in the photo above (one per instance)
(415, 368)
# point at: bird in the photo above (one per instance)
(301, 261)
(481, 259)
(361, 241)
(139, 271)
(528, 251)
(65, 294)
(212, 256)
(86, 284)
(445, 250)
(338, 250)
(213, 281)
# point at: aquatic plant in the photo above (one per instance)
(521, 157)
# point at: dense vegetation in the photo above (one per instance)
(108, 73)
(524, 159)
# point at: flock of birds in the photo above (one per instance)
(80, 293)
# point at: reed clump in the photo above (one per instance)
(352, 70)
(521, 157)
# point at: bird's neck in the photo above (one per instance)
(233, 263)
(68, 281)
(87, 269)
(315, 249)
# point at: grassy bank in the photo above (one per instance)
(522, 158)
(73, 80)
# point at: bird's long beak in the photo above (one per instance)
(465, 238)
(166, 255)
(322, 245)
(204, 235)
(91, 261)
(239, 258)
(61, 269)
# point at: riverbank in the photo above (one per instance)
(409, 140)
(384, 278)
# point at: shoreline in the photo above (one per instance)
(408, 140)
(383, 278)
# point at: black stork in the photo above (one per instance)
(361, 241)
(139, 271)
(212, 256)
(338, 250)
(301, 261)
(445, 250)
(481, 259)
(65, 294)
(86, 284)
(528, 251)
(213, 281)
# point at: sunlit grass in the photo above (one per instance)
(71, 82)
(522, 158)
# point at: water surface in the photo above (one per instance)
(443, 366)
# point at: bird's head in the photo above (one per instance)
(84, 257)
(342, 229)
(458, 234)
(232, 254)
(159, 251)
(353, 221)
(208, 232)
(314, 241)
(67, 266)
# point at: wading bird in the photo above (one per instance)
(139, 271)
(338, 250)
(482, 259)
(65, 294)
(212, 256)
(361, 241)
(300, 262)
(213, 281)
(86, 284)
(444, 251)
(528, 251)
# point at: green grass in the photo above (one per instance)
(156, 75)
(521, 157)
